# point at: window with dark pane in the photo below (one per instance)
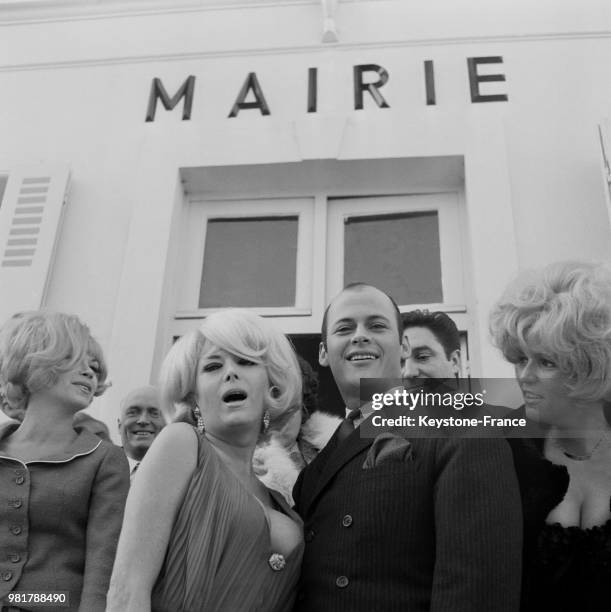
(250, 262)
(398, 253)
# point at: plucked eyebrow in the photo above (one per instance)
(213, 356)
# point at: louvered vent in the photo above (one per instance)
(26, 223)
(30, 221)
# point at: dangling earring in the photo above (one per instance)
(265, 421)
(197, 413)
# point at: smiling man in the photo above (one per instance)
(434, 345)
(139, 423)
(395, 523)
(360, 339)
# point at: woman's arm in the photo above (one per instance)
(152, 504)
(106, 505)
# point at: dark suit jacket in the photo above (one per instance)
(440, 530)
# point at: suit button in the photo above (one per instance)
(14, 557)
(6, 576)
(347, 521)
(309, 535)
(342, 582)
(19, 479)
(15, 503)
(15, 529)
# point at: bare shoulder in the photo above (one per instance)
(177, 433)
(176, 445)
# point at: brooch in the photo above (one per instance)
(277, 562)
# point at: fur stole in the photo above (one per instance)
(278, 466)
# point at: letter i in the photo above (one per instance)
(429, 83)
(312, 90)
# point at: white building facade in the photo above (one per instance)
(163, 159)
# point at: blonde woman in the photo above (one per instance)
(201, 532)
(554, 325)
(62, 492)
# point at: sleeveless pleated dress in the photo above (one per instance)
(219, 556)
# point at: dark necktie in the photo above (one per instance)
(133, 472)
(347, 426)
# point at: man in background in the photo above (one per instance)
(434, 345)
(140, 422)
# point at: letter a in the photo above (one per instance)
(250, 84)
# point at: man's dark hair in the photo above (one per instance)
(351, 286)
(440, 325)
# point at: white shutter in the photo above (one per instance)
(30, 220)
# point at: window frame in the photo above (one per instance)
(197, 214)
(447, 206)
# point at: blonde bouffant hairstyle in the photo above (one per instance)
(37, 347)
(241, 333)
(563, 312)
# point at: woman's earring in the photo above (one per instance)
(197, 413)
(274, 391)
(265, 421)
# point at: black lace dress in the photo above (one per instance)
(571, 569)
(566, 569)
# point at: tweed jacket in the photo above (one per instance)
(438, 530)
(60, 521)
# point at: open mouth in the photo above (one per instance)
(362, 357)
(234, 396)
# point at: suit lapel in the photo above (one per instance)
(312, 474)
(333, 460)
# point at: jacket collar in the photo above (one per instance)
(84, 444)
(331, 460)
